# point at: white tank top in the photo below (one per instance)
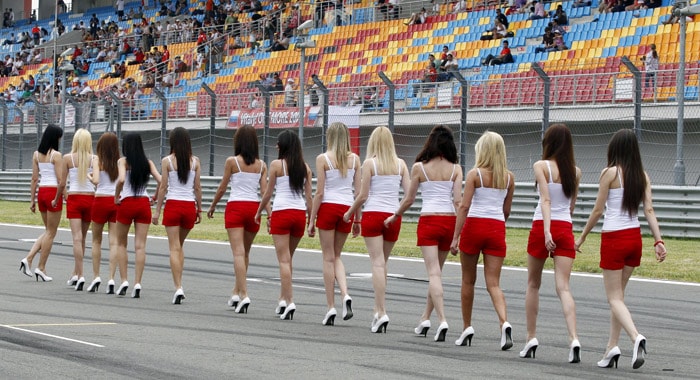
(383, 191)
(616, 218)
(338, 189)
(127, 191)
(488, 202)
(75, 186)
(437, 195)
(106, 186)
(244, 186)
(178, 191)
(47, 171)
(285, 197)
(560, 204)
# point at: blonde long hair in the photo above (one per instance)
(381, 147)
(82, 147)
(491, 154)
(339, 144)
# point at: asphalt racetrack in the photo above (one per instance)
(48, 330)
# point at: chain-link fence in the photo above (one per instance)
(518, 106)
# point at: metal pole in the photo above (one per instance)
(163, 122)
(302, 84)
(637, 96)
(3, 105)
(547, 89)
(63, 102)
(118, 102)
(21, 134)
(463, 119)
(212, 126)
(266, 122)
(679, 166)
(38, 115)
(324, 90)
(392, 98)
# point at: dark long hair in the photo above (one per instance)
(108, 154)
(440, 143)
(558, 145)
(181, 147)
(132, 149)
(49, 140)
(290, 151)
(623, 152)
(245, 144)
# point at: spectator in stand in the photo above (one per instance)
(458, 7)
(499, 30)
(502, 18)
(547, 41)
(556, 28)
(36, 34)
(651, 65)
(383, 7)
(290, 93)
(559, 44)
(620, 6)
(120, 9)
(10, 40)
(277, 83)
(417, 18)
(504, 57)
(430, 74)
(449, 65)
(560, 16)
(280, 43)
(394, 9)
(584, 3)
(179, 66)
(537, 10)
(139, 57)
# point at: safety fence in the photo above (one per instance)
(677, 208)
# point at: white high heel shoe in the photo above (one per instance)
(24, 268)
(640, 348)
(329, 319)
(575, 351)
(506, 336)
(423, 328)
(179, 296)
(610, 358)
(441, 332)
(72, 281)
(379, 326)
(41, 275)
(530, 348)
(289, 312)
(95, 285)
(466, 338)
(234, 300)
(123, 288)
(80, 284)
(347, 307)
(280, 307)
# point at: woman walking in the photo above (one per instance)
(46, 170)
(77, 165)
(183, 208)
(133, 206)
(623, 186)
(290, 180)
(246, 175)
(552, 235)
(481, 219)
(383, 173)
(336, 180)
(439, 178)
(104, 210)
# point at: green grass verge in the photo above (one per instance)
(681, 263)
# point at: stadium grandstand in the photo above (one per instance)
(155, 59)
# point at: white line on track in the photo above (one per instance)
(53, 336)
(61, 324)
(410, 259)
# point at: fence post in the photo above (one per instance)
(21, 133)
(38, 114)
(116, 101)
(3, 105)
(637, 96)
(326, 99)
(547, 91)
(266, 122)
(463, 119)
(163, 122)
(212, 125)
(392, 98)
